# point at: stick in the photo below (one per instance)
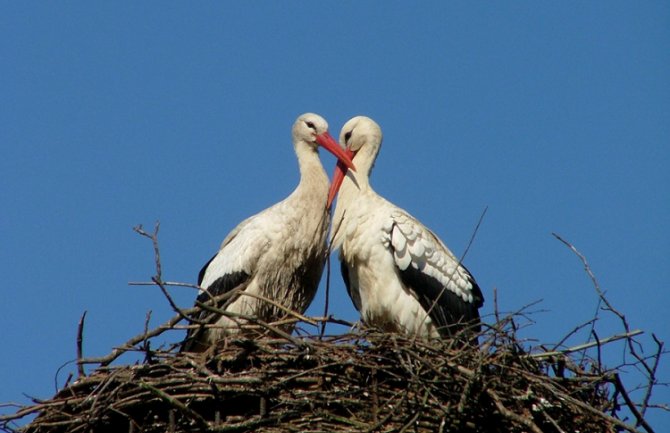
(638, 416)
(329, 252)
(586, 345)
(174, 306)
(80, 340)
(154, 240)
(176, 403)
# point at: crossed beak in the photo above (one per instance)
(327, 141)
(344, 162)
(338, 176)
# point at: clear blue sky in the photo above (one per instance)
(556, 117)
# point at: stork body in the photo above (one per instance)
(400, 276)
(278, 253)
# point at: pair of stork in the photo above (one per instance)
(399, 275)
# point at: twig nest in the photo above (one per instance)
(357, 382)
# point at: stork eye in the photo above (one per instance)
(310, 125)
(347, 136)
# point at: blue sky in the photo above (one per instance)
(555, 116)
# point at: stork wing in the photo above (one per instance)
(238, 256)
(232, 267)
(440, 283)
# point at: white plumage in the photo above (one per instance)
(400, 276)
(279, 253)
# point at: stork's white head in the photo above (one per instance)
(307, 127)
(312, 130)
(362, 134)
(362, 139)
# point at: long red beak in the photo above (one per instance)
(338, 177)
(327, 141)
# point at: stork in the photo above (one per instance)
(400, 276)
(277, 254)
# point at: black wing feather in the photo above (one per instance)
(201, 274)
(449, 312)
(353, 291)
(220, 286)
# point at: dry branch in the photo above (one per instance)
(80, 342)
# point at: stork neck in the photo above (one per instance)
(365, 161)
(313, 177)
(355, 186)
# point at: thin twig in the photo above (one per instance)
(329, 252)
(80, 342)
(573, 332)
(586, 345)
(631, 343)
(285, 309)
(174, 306)
(460, 261)
(165, 283)
(512, 415)
(496, 311)
(146, 344)
(474, 233)
(652, 377)
(118, 351)
(176, 403)
(631, 406)
(154, 240)
(322, 331)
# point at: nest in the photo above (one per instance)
(366, 381)
(369, 381)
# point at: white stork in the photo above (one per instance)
(399, 275)
(278, 253)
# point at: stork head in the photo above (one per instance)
(362, 139)
(312, 130)
(360, 132)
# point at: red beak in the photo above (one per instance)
(338, 177)
(327, 141)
